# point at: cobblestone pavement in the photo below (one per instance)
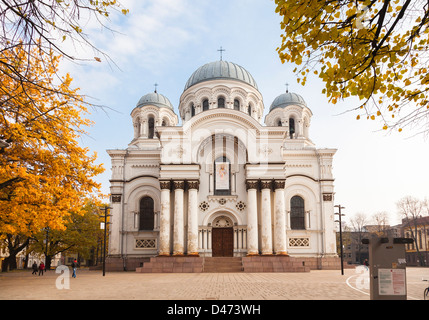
(91, 285)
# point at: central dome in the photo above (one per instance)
(221, 70)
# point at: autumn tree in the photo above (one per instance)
(44, 172)
(373, 50)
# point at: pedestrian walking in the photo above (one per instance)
(41, 268)
(74, 267)
(366, 264)
(35, 268)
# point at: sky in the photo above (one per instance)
(165, 41)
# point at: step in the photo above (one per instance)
(273, 264)
(223, 265)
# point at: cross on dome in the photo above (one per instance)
(221, 50)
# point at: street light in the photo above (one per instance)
(104, 226)
(341, 235)
(46, 247)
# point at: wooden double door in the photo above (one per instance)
(223, 242)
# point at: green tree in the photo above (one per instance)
(80, 236)
(375, 50)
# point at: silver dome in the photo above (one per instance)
(155, 99)
(221, 70)
(287, 99)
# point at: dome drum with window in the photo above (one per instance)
(221, 85)
(152, 110)
(289, 110)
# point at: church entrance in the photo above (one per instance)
(223, 242)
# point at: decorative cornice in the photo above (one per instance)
(193, 185)
(116, 198)
(179, 185)
(266, 184)
(165, 185)
(252, 184)
(328, 197)
(279, 184)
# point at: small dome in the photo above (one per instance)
(221, 70)
(287, 99)
(155, 99)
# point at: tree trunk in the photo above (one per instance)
(9, 263)
(48, 262)
(14, 247)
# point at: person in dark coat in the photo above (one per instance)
(35, 268)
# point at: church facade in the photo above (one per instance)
(226, 182)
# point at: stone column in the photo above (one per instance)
(178, 237)
(252, 218)
(280, 218)
(193, 187)
(164, 224)
(266, 228)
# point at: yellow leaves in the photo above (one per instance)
(77, 29)
(344, 45)
(44, 173)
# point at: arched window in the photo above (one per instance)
(221, 103)
(137, 128)
(236, 105)
(297, 213)
(292, 128)
(205, 105)
(222, 176)
(147, 216)
(151, 124)
(279, 122)
(249, 110)
(192, 110)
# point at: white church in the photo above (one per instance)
(225, 182)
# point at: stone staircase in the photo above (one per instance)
(223, 265)
(250, 264)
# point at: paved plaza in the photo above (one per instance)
(91, 285)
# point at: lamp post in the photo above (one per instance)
(46, 247)
(104, 226)
(341, 236)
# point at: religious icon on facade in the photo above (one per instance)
(222, 176)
